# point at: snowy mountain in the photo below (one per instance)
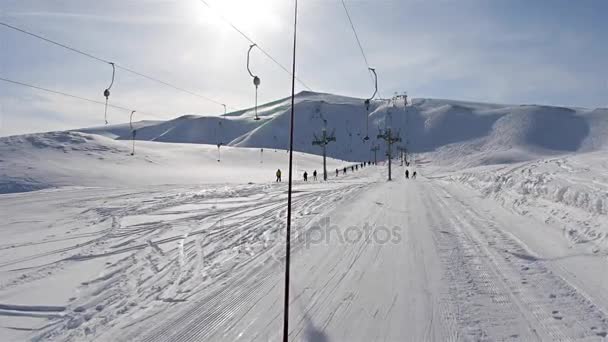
(454, 130)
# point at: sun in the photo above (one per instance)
(249, 15)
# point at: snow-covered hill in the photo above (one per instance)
(449, 133)
(476, 133)
(59, 159)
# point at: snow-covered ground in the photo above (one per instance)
(59, 159)
(502, 236)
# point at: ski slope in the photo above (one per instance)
(502, 237)
(422, 260)
(75, 159)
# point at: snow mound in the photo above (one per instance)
(571, 191)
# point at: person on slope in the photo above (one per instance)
(314, 175)
(407, 174)
(337, 172)
(345, 170)
(414, 175)
(305, 176)
(279, 175)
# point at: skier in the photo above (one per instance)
(414, 175)
(305, 176)
(352, 168)
(345, 170)
(337, 172)
(314, 175)
(407, 174)
(279, 175)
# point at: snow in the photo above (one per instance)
(59, 159)
(503, 235)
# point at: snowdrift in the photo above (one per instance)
(570, 191)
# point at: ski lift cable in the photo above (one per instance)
(352, 25)
(77, 97)
(118, 66)
(251, 41)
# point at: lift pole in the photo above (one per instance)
(323, 142)
(390, 140)
(375, 149)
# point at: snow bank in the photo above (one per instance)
(571, 190)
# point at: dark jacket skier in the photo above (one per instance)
(337, 172)
(314, 175)
(305, 176)
(407, 174)
(278, 175)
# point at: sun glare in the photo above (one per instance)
(246, 14)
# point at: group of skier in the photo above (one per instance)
(314, 175)
(407, 174)
(353, 168)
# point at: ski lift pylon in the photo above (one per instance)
(106, 92)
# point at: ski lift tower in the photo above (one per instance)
(390, 140)
(323, 142)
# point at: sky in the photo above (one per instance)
(550, 52)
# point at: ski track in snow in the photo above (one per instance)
(206, 264)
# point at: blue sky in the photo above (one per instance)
(516, 51)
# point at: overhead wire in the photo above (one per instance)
(352, 25)
(56, 92)
(266, 53)
(118, 66)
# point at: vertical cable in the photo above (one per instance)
(288, 237)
